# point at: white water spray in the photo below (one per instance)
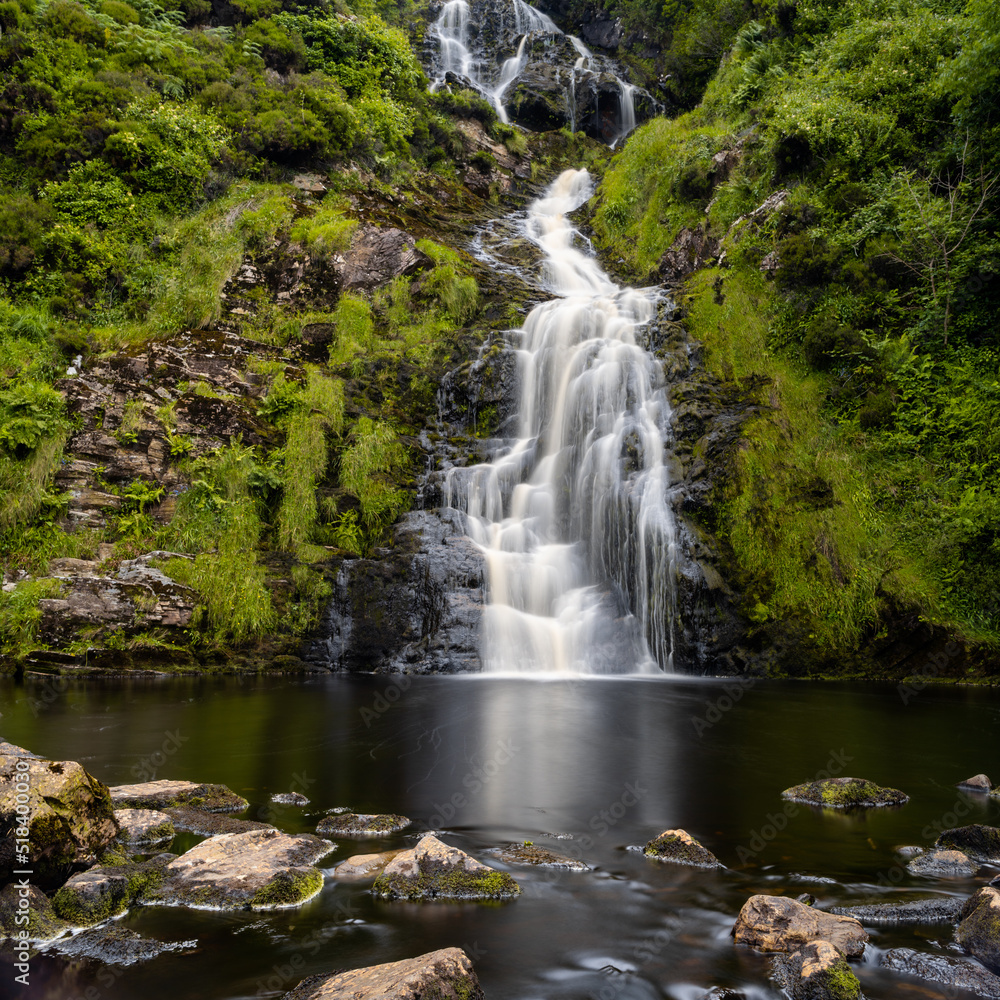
(574, 516)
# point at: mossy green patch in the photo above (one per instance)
(288, 888)
(845, 793)
(440, 882)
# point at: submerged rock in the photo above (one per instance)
(17, 901)
(70, 811)
(776, 923)
(442, 975)
(942, 969)
(845, 793)
(116, 945)
(680, 848)
(940, 863)
(528, 854)
(290, 799)
(978, 930)
(433, 870)
(208, 824)
(144, 826)
(941, 910)
(977, 783)
(108, 890)
(978, 840)
(361, 824)
(817, 971)
(258, 870)
(166, 793)
(361, 866)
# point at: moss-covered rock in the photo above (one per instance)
(845, 793)
(978, 840)
(166, 793)
(144, 826)
(361, 824)
(28, 909)
(108, 889)
(818, 971)
(680, 848)
(978, 930)
(433, 870)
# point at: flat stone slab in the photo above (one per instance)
(257, 870)
(163, 794)
(362, 866)
(144, 826)
(433, 870)
(361, 824)
(978, 930)
(777, 923)
(442, 975)
(208, 824)
(942, 969)
(845, 793)
(680, 848)
(942, 863)
(528, 854)
(942, 910)
(977, 840)
(113, 944)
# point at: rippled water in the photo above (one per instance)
(587, 767)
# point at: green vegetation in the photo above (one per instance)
(855, 311)
(289, 888)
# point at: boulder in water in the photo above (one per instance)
(942, 969)
(680, 848)
(776, 923)
(108, 889)
(361, 824)
(209, 824)
(113, 944)
(528, 854)
(940, 910)
(978, 930)
(941, 863)
(977, 783)
(362, 866)
(166, 793)
(444, 975)
(817, 971)
(144, 826)
(978, 840)
(845, 793)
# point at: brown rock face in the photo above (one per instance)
(69, 813)
(692, 249)
(816, 972)
(379, 255)
(776, 923)
(444, 975)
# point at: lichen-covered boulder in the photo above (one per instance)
(817, 971)
(528, 854)
(941, 910)
(433, 870)
(978, 929)
(144, 826)
(942, 969)
(777, 923)
(977, 840)
(26, 908)
(442, 975)
(361, 824)
(164, 794)
(680, 848)
(108, 889)
(69, 812)
(257, 870)
(942, 863)
(845, 793)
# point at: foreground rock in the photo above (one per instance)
(776, 923)
(940, 863)
(942, 969)
(362, 824)
(978, 930)
(528, 854)
(845, 793)
(116, 945)
(164, 794)
(816, 972)
(978, 840)
(108, 890)
(362, 866)
(144, 826)
(433, 870)
(680, 848)
(71, 817)
(943, 910)
(258, 870)
(977, 783)
(20, 901)
(209, 824)
(442, 975)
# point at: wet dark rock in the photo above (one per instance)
(18, 901)
(940, 863)
(377, 255)
(777, 923)
(433, 870)
(113, 944)
(107, 890)
(942, 969)
(528, 854)
(977, 783)
(71, 818)
(723, 993)
(603, 33)
(977, 840)
(144, 826)
(680, 848)
(290, 799)
(978, 930)
(845, 793)
(208, 824)
(443, 975)
(817, 971)
(692, 249)
(361, 825)
(940, 910)
(166, 793)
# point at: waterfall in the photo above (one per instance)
(573, 516)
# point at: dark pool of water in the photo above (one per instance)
(587, 768)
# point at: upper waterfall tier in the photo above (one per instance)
(532, 73)
(574, 515)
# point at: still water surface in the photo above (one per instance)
(587, 767)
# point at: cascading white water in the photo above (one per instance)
(574, 516)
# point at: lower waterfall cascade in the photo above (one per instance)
(574, 516)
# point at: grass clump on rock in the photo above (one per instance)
(845, 793)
